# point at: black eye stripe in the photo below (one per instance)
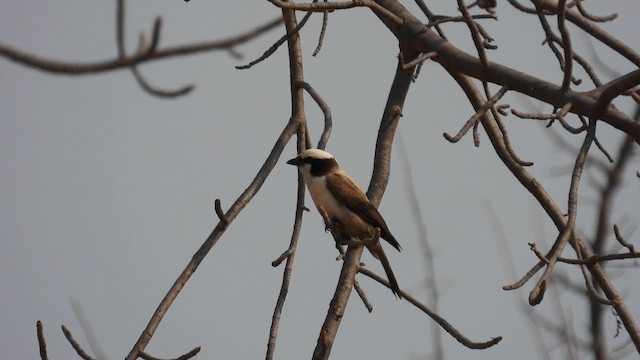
(321, 167)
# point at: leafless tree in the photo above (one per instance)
(421, 41)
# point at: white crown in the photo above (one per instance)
(316, 154)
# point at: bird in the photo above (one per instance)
(342, 202)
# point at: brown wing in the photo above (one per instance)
(347, 192)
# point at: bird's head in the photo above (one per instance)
(314, 162)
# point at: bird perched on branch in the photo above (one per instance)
(344, 206)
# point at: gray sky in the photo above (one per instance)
(107, 192)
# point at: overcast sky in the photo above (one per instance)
(107, 192)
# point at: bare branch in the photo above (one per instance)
(83, 354)
(297, 105)
(339, 302)
(456, 60)
(147, 87)
(326, 110)
(420, 59)
(288, 269)
(69, 68)
(592, 29)
(473, 120)
(475, 34)
(363, 296)
(42, 344)
(323, 31)
(186, 356)
(330, 6)
(437, 20)
(277, 44)
(599, 258)
(441, 321)
(566, 45)
(538, 291)
(213, 238)
(594, 18)
(218, 208)
(622, 241)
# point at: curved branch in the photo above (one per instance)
(536, 295)
(79, 350)
(70, 68)
(186, 356)
(271, 50)
(566, 46)
(555, 214)
(144, 84)
(475, 118)
(437, 318)
(457, 60)
(326, 110)
(422, 40)
(592, 29)
(213, 238)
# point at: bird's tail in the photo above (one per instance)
(377, 251)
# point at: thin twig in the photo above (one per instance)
(42, 343)
(592, 29)
(524, 9)
(536, 295)
(303, 140)
(323, 31)
(162, 93)
(277, 44)
(419, 60)
(83, 354)
(599, 258)
(363, 296)
(566, 46)
(507, 140)
(591, 288)
(473, 120)
(621, 239)
(437, 20)
(186, 356)
(326, 110)
(144, 49)
(536, 116)
(475, 35)
(437, 318)
(281, 258)
(213, 238)
(288, 269)
(70, 68)
(330, 6)
(218, 208)
(592, 17)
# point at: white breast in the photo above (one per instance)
(353, 225)
(322, 197)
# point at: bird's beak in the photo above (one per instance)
(295, 161)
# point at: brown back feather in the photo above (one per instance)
(357, 202)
